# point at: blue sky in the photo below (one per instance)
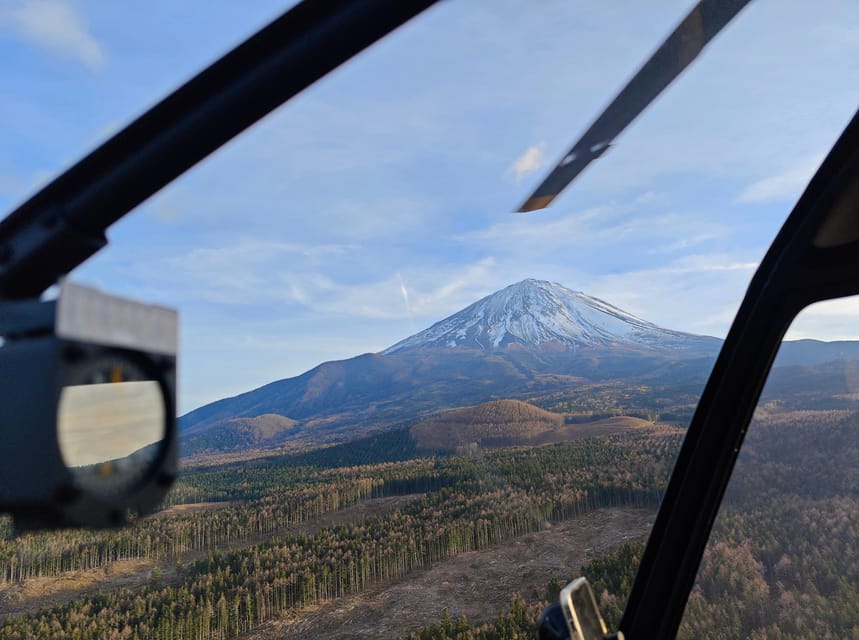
(381, 199)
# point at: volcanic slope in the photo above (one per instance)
(528, 339)
(538, 314)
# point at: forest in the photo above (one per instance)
(246, 573)
(781, 563)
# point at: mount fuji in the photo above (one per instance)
(537, 314)
(526, 341)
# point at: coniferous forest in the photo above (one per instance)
(238, 582)
(782, 561)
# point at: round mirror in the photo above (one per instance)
(110, 429)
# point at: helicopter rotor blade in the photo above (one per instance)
(701, 25)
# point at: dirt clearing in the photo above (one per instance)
(17, 598)
(478, 584)
(193, 507)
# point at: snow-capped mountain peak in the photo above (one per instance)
(540, 314)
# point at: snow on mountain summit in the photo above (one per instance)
(536, 313)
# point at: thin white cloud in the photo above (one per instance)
(608, 225)
(254, 272)
(839, 36)
(431, 294)
(404, 290)
(247, 272)
(528, 232)
(652, 198)
(531, 161)
(692, 267)
(57, 26)
(829, 320)
(786, 185)
(698, 293)
(687, 243)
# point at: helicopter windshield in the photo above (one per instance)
(405, 409)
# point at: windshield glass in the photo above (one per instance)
(782, 560)
(75, 72)
(401, 403)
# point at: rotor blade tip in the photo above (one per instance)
(535, 203)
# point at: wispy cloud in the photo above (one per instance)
(711, 287)
(528, 232)
(430, 295)
(322, 279)
(830, 320)
(687, 242)
(247, 272)
(786, 185)
(57, 26)
(651, 198)
(615, 226)
(531, 161)
(404, 290)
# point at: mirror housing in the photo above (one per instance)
(53, 347)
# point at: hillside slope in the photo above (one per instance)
(233, 434)
(498, 423)
(505, 423)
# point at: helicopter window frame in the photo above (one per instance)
(795, 273)
(66, 222)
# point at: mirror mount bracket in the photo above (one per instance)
(21, 319)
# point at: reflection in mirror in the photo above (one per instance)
(782, 560)
(109, 434)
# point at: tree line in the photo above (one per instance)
(481, 502)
